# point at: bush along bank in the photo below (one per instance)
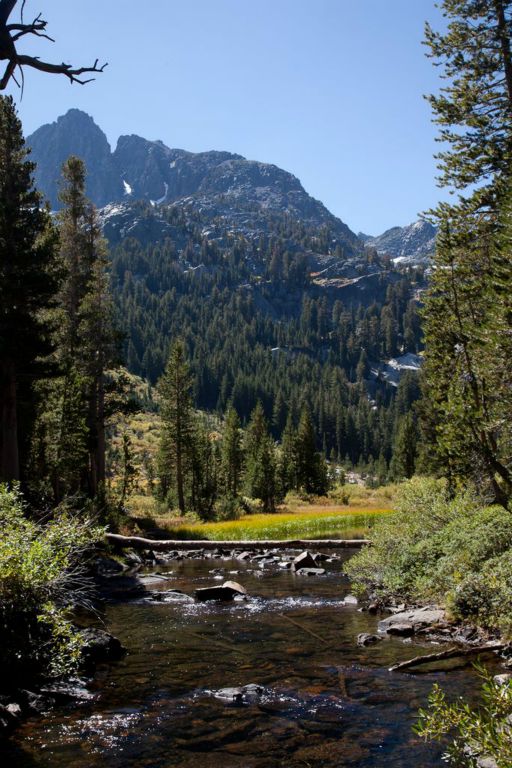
(443, 566)
(43, 581)
(450, 552)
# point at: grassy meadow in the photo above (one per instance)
(315, 517)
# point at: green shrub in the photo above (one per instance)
(40, 577)
(486, 596)
(454, 551)
(480, 736)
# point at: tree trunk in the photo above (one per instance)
(504, 37)
(9, 452)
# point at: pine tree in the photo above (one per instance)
(466, 376)
(177, 440)
(260, 461)
(288, 470)
(29, 278)
(86, 347)
(474, 109)
(311, 467)
(231, 454)
(404, 448)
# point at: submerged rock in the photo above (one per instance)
(227, 591)
(365, 638)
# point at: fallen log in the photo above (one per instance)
(448, 654)
(161, 545)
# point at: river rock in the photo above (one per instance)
(304, 560)
(311, 571)
(100, 646)
(365, 638)
(106, 566)
(170, 596)
(401, 628)
(244, 694)
(503, 679)
(226, 591)
(408, 622)
(34, 703)
(350, 600)
(8, 721)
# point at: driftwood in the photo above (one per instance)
(448, 654)
(137, 542)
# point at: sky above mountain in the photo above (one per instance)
(330, 90)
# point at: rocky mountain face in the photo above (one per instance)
(244, 196)
(413, 244)
(74, 134)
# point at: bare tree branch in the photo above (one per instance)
(11, 33)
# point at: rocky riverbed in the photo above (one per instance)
(281, 674)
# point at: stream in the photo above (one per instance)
(318, 700)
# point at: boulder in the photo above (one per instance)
(401, 628)
(100, 646)
(227, 591)
(64, 692)
(304, 560)
(408, 622)
(34, 703)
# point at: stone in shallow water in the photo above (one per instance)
(416, 618)
(365, 638)
(227, 591)
(304, 560)
(350, 600)
(310, 571)
(244, 694)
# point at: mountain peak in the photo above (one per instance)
(244, 193)
(412, 244)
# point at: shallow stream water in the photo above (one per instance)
(325, 701)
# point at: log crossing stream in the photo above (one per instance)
(274, 680)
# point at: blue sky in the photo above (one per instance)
(331, 90)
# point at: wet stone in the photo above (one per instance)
(310, 571)
(365, 638)
(304, 560)
(402, 629)
(227, 591)
(350, 600)
(245, 694)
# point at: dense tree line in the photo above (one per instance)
(210, 468)
(57, 332)
(256, 328)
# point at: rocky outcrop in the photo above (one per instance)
(246, 195)
(75, 133)
(413, 244)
